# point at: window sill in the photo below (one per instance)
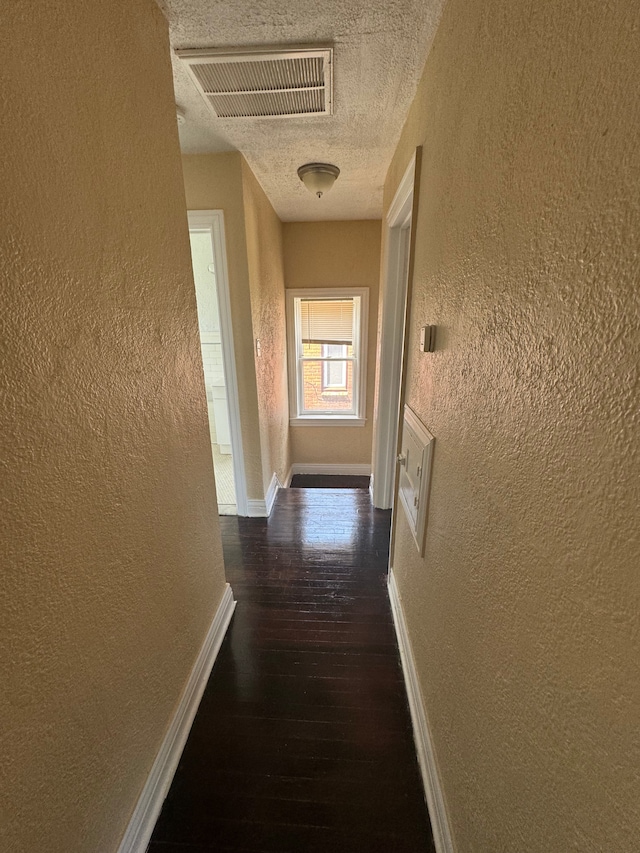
(325, 421)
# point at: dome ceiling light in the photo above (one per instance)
(318, 178)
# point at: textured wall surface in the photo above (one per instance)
(266, 278)
(336, 254)
(215, 182)
(524, 612)
(110, 553)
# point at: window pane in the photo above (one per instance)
(320, 396)
(334, 373)
(318, 350)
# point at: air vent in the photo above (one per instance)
(264, 83)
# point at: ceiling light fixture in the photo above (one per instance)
(318, 178)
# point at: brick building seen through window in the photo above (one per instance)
(328, 384)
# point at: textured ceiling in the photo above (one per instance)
(380, 47)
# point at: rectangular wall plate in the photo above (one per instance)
(427, 338)
(415, 474)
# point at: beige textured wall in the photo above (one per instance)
(110, 553)
(266, 278)
(215, 182)
(524, 612)
(336, 254)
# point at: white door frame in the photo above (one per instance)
(392, 331)
(212, 222)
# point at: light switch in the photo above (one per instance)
(258, 348)
(415, 474)
(427, 338)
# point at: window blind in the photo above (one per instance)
(326, 321)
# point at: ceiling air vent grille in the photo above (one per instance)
(263, 84)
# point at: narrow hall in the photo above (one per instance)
(303, 740)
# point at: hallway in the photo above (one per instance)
(303, 740)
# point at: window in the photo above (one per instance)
(327, 338)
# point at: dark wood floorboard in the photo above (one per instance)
(302, 742)
(328, 481)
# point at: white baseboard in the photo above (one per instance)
(149, 804)
(287, 479)
(262, 509)
(321, 468)
(256, 508)
(421, 732)
(272, 491)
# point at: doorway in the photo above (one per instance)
(392, 337)
(206, 236)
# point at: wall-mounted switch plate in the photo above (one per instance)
(427, 339)
(258, 348)
(415, 474)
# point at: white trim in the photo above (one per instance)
(361, 327)
(333, 468)
(421, 732)
(147, 810)
(393, 301)
(400, 207)
(287, 479)
(324, 421)
(213, 222)
(256, 508)
(272, 491)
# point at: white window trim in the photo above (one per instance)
(322, 419)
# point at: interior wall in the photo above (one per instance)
(523, 614)
(266, 279)
(336, 254)
(111, 560)
(215, 182)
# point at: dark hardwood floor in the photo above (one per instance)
(329, 481)
(302, 742)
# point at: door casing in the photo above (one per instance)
(392, 334)
(212, 222)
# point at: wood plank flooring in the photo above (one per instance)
(302, 742)
(329, 481)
